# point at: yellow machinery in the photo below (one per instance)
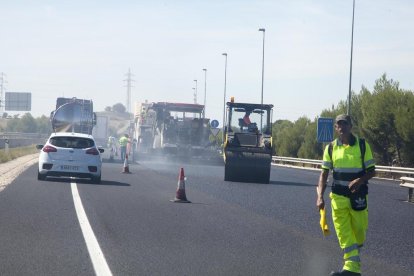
(248, 142)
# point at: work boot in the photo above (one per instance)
(345, 273)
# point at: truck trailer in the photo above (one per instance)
(73, 115)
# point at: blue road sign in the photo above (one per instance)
(325, 130)
(214, 123)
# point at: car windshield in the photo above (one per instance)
(72, 142)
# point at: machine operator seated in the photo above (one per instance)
(246, 124)
(246, 118)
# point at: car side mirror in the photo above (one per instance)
(39, 147)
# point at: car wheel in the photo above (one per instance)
(41, 176)
(96, 179)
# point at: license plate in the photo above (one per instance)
(69, 168)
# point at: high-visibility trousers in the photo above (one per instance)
(351, 227)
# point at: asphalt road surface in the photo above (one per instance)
(229, 228)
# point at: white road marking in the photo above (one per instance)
(98, 259)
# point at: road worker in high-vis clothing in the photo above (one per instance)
(350, 159)
(123, 143)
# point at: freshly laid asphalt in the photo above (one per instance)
(230, 228)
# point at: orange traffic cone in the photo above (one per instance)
(180, 196)
(126, 167)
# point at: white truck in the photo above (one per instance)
(101, 130)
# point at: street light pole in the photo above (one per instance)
(205, 92)
(224, 98)
(195, 96)
(348, 111)
(262, 30)
(2, 88)
(261, 99)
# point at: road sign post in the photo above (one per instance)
(214, 123)
(6, 145)
(214, 127)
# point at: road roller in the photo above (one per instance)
(247, 147)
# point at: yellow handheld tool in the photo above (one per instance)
(324, 225)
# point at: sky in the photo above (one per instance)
(84, 49)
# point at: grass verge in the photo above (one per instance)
(14, 153)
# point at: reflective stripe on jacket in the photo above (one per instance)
(346, 163)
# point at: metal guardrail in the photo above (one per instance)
(19, 139)
(282, 159)
(21, 135)
(393, 171)
(408, 182)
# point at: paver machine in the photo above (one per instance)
(179, 129)
(247, 149)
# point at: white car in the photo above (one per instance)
(70, 155)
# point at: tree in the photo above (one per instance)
(119, 108)
(310, 148)
(383, 117)
(28, 123)
(379, 120)
(12, 124)
(290, 138)
(108, 109)
(278, 128)
(404, 116)
(43, 125)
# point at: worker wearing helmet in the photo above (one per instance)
(350, 159)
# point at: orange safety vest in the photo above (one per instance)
(246, 120)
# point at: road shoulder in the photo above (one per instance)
(10, 170)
